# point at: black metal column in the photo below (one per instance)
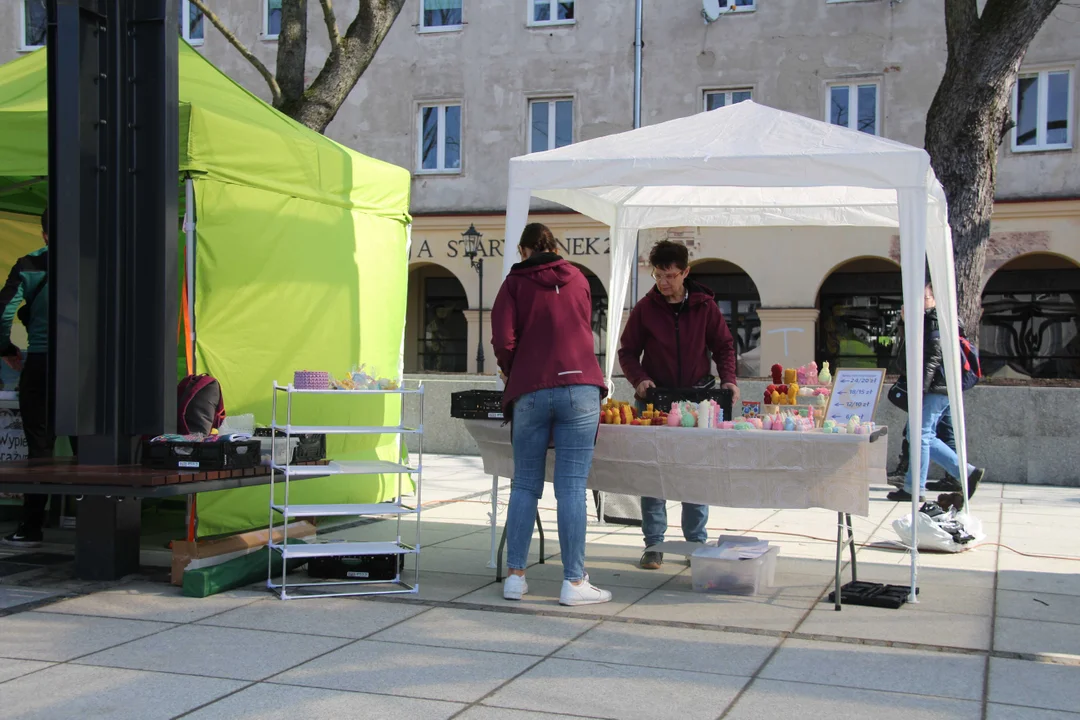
(113, 283)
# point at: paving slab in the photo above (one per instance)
(1044, 607)
(78, 691)
(438, 587)
(1049, 576)
(997, 711)
(544, 595)
(909, 624)
(12, 596)
(1034, 685)
(482, 712)
(879, 668)
(10, 669)
(216, 652)
(1033, 636)
(409, 670)
(267, 701)
(672, 648)
(51, 636)
(627, 692)
(495, 632)
(332, 617)
(153, 601)
(771, 699)
(775, 611)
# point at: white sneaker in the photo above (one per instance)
(584, 594)
(514, 586)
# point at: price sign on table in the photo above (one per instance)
(855, 392)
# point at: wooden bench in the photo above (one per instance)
(109, 511)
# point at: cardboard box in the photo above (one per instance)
(205, 553)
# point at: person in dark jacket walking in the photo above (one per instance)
(667, 343)
(28, 282)
(541, 331)
(935, 404)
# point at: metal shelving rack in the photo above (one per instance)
(397, 508)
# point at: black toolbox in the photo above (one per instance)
(357, 567)
(216, 455)
(662, 398)
(477, 405)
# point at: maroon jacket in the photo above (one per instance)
(676, 346)
(541, 328)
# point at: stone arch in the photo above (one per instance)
(1031, 318)
(436, 329)
(599, 311)
(859, 303)
(738, 297)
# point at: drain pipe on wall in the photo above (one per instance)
(637, 123)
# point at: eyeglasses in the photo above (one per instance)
(668, 277)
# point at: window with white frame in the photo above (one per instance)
(440, 138)
(191, 22)
(855, 106)
(551, 124)
(440, 14)
(271, 19)
(1042, 105)
(722, 98)
(737, 5)
(551, 12)
(34, 23)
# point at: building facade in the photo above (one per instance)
(461, 86)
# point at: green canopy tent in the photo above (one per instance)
(295, 251)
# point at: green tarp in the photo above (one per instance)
(301, 261)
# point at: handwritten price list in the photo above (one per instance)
(855, 392)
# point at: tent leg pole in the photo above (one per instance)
(189, 257)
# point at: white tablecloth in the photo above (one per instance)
(727, 468)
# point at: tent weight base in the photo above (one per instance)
(873, 594)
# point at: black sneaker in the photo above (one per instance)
(974, 479)
(652, 560)
(902, 496)
(23, 538)
(949, 484)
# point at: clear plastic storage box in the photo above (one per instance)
(735, 577)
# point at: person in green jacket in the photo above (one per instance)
(28, 286)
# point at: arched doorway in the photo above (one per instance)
(1031, 318)
(436, 330)
(737, 296)
(859, 305)
(599, 313)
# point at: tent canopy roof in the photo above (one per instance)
(754, 161)
(226, 133)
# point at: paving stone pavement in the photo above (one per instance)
(995, 636)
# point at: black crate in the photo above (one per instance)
(476, 405)
(220, 455)
(312, 447)
(662, 398)
(356, 567)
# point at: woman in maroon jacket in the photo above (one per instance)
(541, 330)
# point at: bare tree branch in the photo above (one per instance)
(331, 26)
(292, 52)
(275, 89)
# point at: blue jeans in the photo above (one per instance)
(569, 415)
(933, 448)
(654, 521)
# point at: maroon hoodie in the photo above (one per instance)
(676, 339)
(541, 328)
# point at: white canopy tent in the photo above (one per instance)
(749, 165)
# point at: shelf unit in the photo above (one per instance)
(283, 474)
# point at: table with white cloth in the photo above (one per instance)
(727, 468)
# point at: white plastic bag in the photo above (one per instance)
(933, 537)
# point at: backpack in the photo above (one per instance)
(970, 369)
(200, 407)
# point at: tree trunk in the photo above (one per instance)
(969, 118)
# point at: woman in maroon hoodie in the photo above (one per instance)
(541, 330)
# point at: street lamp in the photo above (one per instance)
(472, 238)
